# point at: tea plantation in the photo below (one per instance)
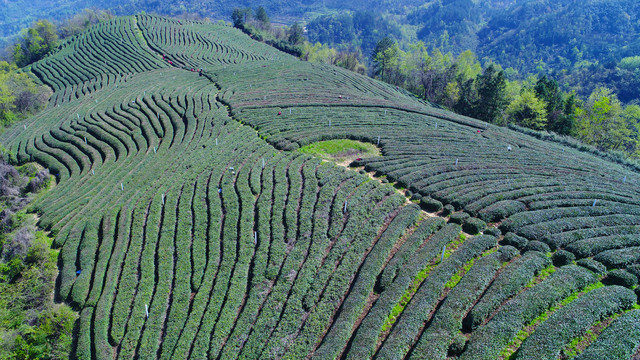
(190, 227)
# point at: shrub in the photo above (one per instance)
(6, 220)
(488, 341)
(457, 346)
(493, 231)
(515, 240)
(501, 210)
(620, 277)
(592, 265)
(563, 257)
(430, 205)
(620, 257)
(610, 345)
(40, 181)
(447, 321)
(593, 246)
(448, 210)
(19, 244)
(537, 246)
(459, 217)
(473, 226)
(573, 320)
(508, 283)
(427, 297)
(634, 269)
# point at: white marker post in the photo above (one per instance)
(385, 112)
(456, 162)
(154, 150)
(444, 248)
(436, 125)
(345, 207)
(85, 139)
(262, 163)
(378, 140)
(625, 179)
(216, 141)
(329, 122)
(255, 238)
(92, 172)
(146, 310)
(162, 199)
(594, 202)
(122, 186)
(289, 111)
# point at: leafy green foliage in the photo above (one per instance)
(39, 40)
(31, 325)
(19, 94)
(362, 29)
(611, 344)
(528, 111)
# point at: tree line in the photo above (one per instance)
(490, 93)
(258, 26)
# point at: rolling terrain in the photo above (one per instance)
(190, 227)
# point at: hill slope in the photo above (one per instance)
(190, 227)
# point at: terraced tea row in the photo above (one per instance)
(540, 190)
(184, 234)
(104, 55)
(198, 45)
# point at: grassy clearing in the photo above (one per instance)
(341, 150)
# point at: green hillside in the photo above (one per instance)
(190, 226)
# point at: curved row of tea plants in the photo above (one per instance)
(184, 234)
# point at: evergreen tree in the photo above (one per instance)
(296, 34)
(492, 100)
(565, 123)
(384, 55)
(548, 91)
(241, 16)
(261, 15)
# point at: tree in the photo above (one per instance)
(351, 60)
(491, 87)
(565, 123)
(296, 34)
(601, 123)
(83, 20)
(632, 119)
(467, 98)
(385, 55)
(19, 95)
(548, 91)
(240, 16)
(528, 111)
(36, 42)
(261, 15)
